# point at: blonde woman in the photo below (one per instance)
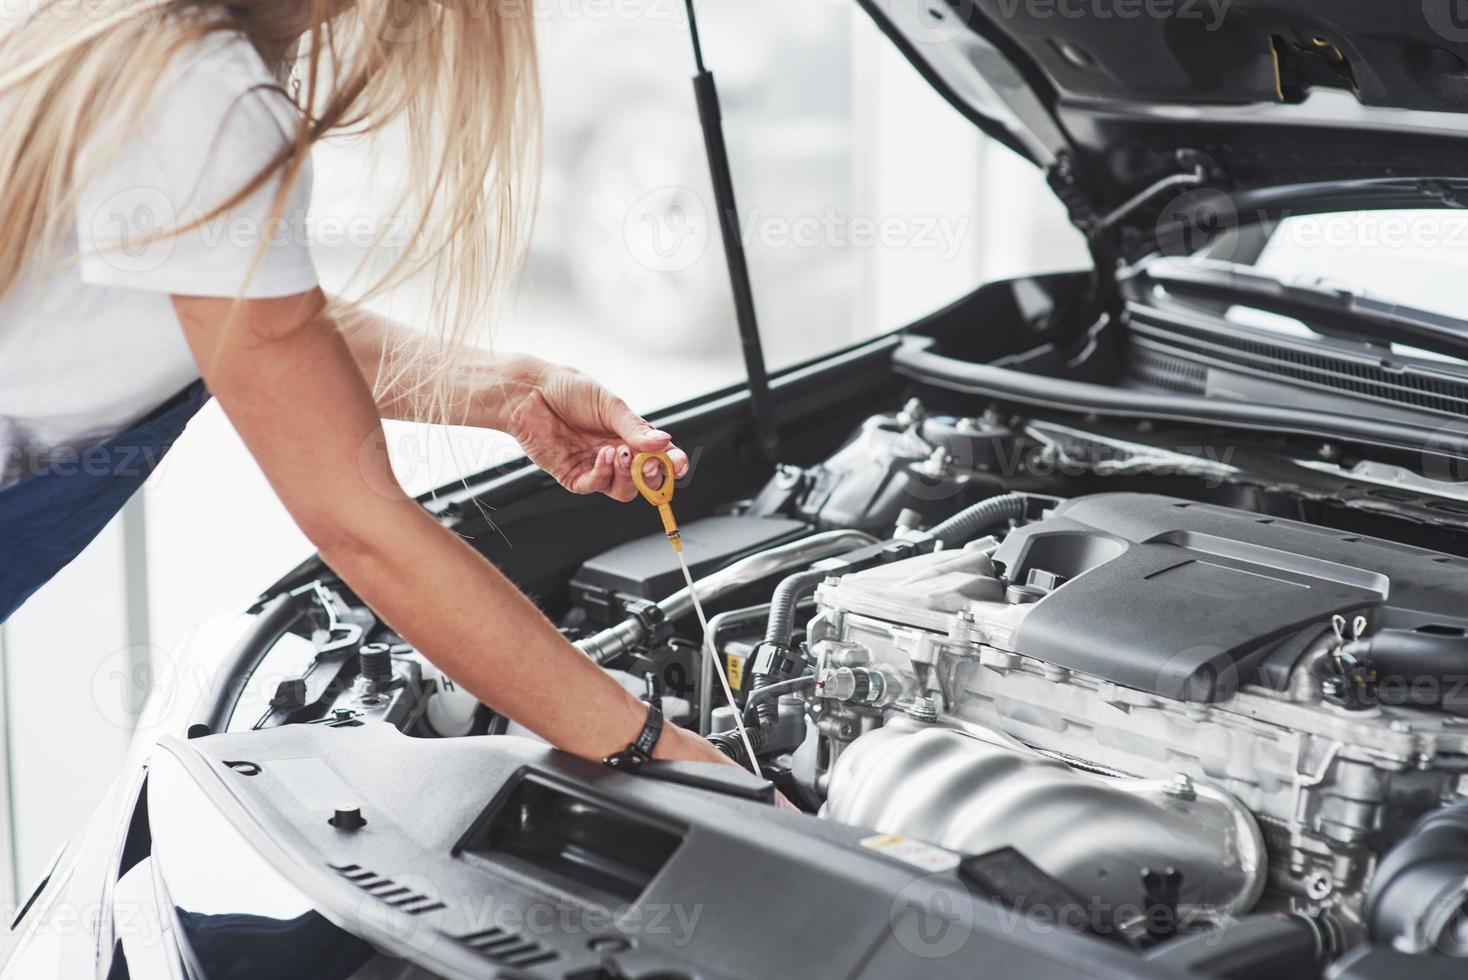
(155, 166)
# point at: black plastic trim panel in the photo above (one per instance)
(761, 892)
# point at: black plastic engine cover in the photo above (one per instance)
(1184, 599)
(646, 568)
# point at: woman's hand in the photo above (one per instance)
(582, 434)
(568, 425)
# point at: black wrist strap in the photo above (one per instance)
(640, 750)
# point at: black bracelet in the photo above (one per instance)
(639, 751)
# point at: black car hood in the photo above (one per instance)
(1261, 94)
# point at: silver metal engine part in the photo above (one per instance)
(971, 791)
(1330, 788)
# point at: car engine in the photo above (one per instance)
(1164, 705)
(1136, 681)
(1148, 717)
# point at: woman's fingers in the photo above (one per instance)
(635, 430)
(599, 478)
(650, 440)
(680, 461)
(611, 473)
(622, 487)
(654, 471)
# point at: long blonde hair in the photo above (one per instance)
(457, 76)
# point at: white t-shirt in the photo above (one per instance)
(89, 341)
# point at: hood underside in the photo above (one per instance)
(1264, 93)
(1403, 55)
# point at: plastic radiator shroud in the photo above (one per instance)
(1189, 600)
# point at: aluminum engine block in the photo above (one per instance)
(1330, 788)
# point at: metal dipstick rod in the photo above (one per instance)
(661, 497)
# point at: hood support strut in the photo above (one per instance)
(761, 402)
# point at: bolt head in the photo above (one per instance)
(348, 817)
(1181, 787)
(923, 709)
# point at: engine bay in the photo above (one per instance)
(1209, 732)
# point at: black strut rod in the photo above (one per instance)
(710, 120)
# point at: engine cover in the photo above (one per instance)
(1210, 593)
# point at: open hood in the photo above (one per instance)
(1356, 102)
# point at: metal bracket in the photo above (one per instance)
(340, 633)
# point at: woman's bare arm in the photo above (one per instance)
(395, 359)
(290, 386)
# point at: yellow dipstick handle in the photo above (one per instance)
(662, 497)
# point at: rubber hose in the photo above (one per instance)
(762, 706)
(787, 596)
(1411, 656)
(770, 691)
(778, 631)
(976, 517)
(732, 745)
